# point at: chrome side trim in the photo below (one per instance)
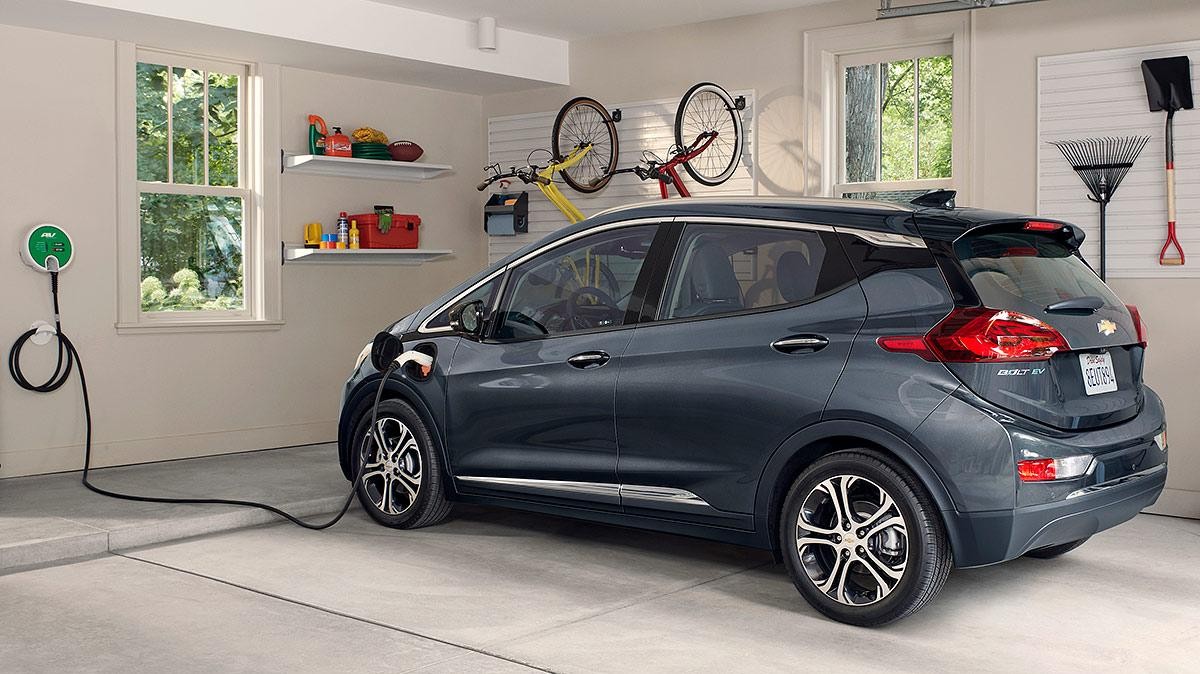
(606, 490)
(588, 488)
(661, 495)
(754, 222)
(885, 239)
(1096, 488)
(588, 232)
(825, 202)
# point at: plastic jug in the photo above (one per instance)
(316, 134)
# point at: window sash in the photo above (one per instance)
(877, 58)
(241, 190)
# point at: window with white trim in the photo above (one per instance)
(896, 122)
(194, 203)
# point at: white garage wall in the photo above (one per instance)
(765, 53)
(168, 396)
(1101, 93)
(647, 125)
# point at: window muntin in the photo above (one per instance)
(583, 285)
(194, 201)
(896, 123)
(721, 269)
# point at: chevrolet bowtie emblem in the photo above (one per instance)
(1106, 327)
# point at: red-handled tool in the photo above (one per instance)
(1169, 87)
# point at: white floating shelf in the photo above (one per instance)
(394, 256)
(371, 169)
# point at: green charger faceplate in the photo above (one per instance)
(46, 241)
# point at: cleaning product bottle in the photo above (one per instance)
(354, 241)
(343, 230)
(337, 144)
(316, 134)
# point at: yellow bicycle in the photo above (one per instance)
(543, 178)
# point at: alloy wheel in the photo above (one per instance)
(852, 539)
(393, 473)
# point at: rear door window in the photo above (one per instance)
(720, 269)
(1027, 271)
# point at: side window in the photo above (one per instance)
(582, 285)
(720, 269)
(485, 293)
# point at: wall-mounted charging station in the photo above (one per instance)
(47, 248)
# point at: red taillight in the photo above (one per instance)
(1043, 226)
(1021, 251)
(1036, 470)
(1138, 325)
(979, 334)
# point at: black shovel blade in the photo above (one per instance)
(1168, 83)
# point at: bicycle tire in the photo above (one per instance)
(583, 120)
(708, 107)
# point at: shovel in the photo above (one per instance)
(1169, 87)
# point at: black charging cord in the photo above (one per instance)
(68, 358)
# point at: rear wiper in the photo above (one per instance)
(1087, 304)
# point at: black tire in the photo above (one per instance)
(582, 121)
(708, 107)
(1052, 551)
(414, 450)
(926, 553)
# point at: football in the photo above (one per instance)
(405, 150)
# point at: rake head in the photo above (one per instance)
(1102, 163)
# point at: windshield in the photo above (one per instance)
(1027, 271)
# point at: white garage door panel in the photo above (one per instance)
(1102, 94)
(648, 125)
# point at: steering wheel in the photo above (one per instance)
(583, 316)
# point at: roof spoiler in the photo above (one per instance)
(943, 199)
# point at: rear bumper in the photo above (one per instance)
(983, 538)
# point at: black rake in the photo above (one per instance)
(1102, 163)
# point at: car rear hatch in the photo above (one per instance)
(1061, 347)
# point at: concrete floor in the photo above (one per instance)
(501, 591)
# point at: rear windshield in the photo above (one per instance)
(1026, 271)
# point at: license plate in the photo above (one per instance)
(1098, 375)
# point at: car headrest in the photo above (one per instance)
(795, 276)
(712, 278)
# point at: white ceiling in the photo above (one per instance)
(574, 19)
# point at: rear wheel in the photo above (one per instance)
(401, 485)
(861, 539)
(1052, 551)
(582, 122)
(708, 108)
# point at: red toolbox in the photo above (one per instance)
(404, 232)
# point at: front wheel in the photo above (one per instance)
(861, 539)
(583, 122)
(401, 485)
(707, 108)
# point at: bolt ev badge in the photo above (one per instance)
(1106, 327)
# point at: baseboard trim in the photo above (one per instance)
(143, 450)
(1177, 503)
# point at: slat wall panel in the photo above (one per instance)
(648, 125)
(1102, 94)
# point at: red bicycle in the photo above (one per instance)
(665, 172)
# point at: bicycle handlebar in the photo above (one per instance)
(527, 175)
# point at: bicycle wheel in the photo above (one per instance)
(580, 122)
(706, 108)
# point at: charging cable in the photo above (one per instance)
(68, 359)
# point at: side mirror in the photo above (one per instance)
(467, 319)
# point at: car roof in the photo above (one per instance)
(935, 223)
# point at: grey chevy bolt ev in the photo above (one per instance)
(876, 392)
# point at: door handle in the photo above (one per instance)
(588, 360)
(800, 344)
